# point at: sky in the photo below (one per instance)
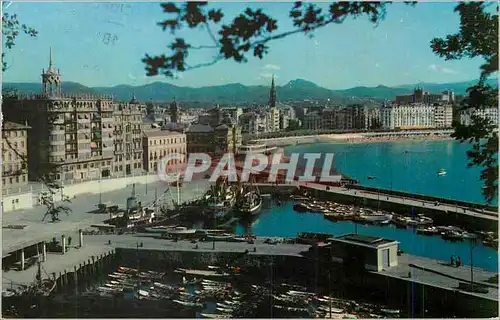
(102, 44)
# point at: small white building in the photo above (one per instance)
(372, 253)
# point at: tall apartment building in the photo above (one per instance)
(487, 113)
(69, 132)
(160, 143)
(14, 155)
(416, 116)
(127, 139)
(81, 136)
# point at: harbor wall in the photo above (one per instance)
(428, 198)
(439, 216)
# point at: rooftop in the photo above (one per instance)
(8, 125)
(200, 128)
(160, 133)
(364, 240)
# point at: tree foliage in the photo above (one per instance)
(11, 28)
(247, 34)
(477, 37)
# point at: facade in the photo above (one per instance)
(71, 134)
(412, 116)
(249, 123)
(313, 121)
(160, 143)
(421, 96)
(234, 113)
(127, 139)
(489, 113)
(274, 119)
(14, 170)
(443, 116)
(78, 136)
(216, 132)
(360, 251)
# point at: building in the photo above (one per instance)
(14, 155)
(127, 139)
(360, 251)
(71, 133)
(175, 111)
(216, 132)
(411, 116)
(249, 122)
(488, 113)
(160, 143)
(313, 121)
(274, 119)
(234, 113)
(443, 116)
(421, 96)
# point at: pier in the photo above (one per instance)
(467, 215)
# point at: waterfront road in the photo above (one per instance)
(488, 215)
(37, 230)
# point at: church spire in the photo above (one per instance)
(50, 58)
(272, 95)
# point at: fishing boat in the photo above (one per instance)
(178, 232)
(441, 172)
(250, 203)
(390, 312)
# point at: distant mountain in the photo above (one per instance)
(31, 87)
(294, 90)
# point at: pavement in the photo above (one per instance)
(440, 274)
(37, 230)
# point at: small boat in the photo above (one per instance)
(441, 172)
(452, 235)
(225, 306)
(215, 316)
(391, 312)
(189, 304)
(301, 207)
(223, 310)
(382, 218)
(428, 231)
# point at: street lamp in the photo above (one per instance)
(378, 190)
(473, 242)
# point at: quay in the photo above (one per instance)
(465, 215)
(404, 281)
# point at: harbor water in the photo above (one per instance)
(408, 166)
(283, 221)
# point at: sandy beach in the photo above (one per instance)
(354, 138)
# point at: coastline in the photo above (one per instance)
(352, 138)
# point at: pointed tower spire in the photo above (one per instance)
(50, 58)
(272, 95)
